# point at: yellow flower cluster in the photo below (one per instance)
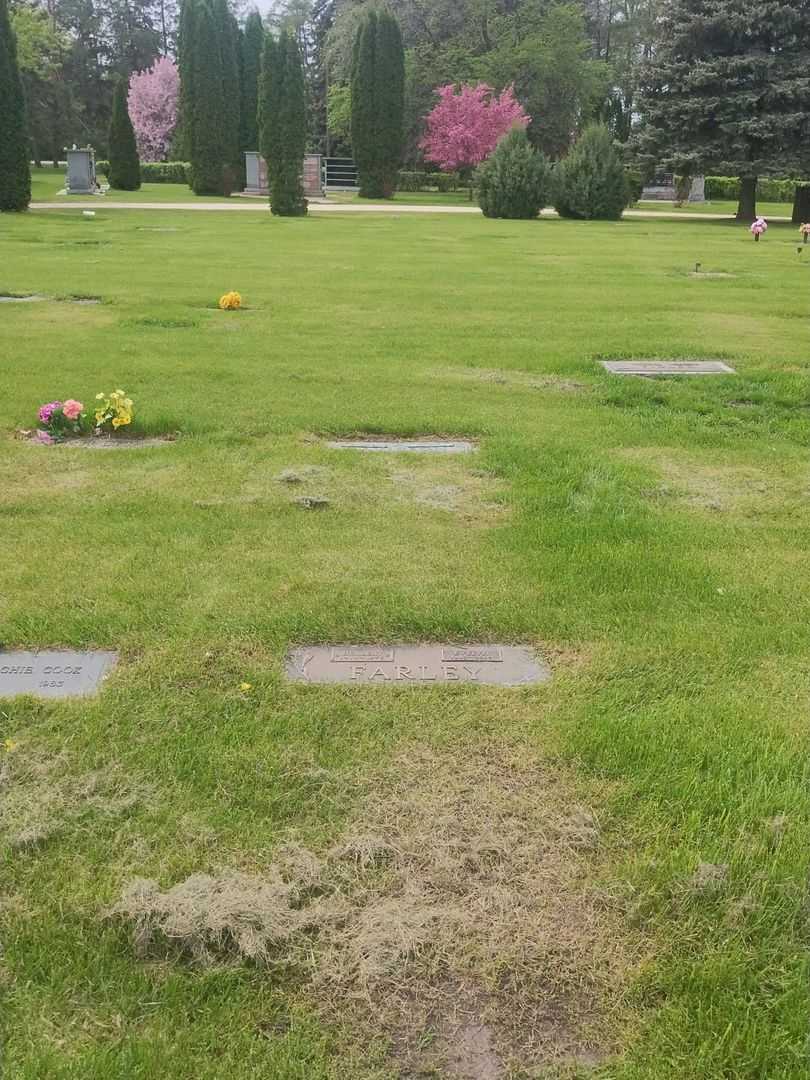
(230, 301)
(114, 409)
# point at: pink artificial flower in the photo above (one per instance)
(47, 411)
(72, 409)
(44, 437)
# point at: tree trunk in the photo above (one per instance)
(801, 204)
(747, 206)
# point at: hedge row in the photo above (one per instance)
(768, 189)
(155, 172)
(425, 181)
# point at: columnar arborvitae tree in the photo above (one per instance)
(185, 51)
(125, 168)
(227, 32)
(728, 91)
(15, 172)
(283, 123)
(590, 182)
(252, 41)
(378, 102)
(205, 107)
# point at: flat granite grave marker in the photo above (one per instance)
(59, 673)
(416, 665)
(650, 368)
(405, 446)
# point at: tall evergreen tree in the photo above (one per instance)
(378, 102)
(15, 172)
(729, 91)
(283, 123)
(252, 41)
(227, 33)
(125, 168)
(185, 52)
(205, 107)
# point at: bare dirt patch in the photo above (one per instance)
(457, 915)
(40, 796)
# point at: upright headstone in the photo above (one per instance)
(81, 172)
(697, 192)
(255, 173)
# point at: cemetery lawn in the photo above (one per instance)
(720, 206)
(47, 183)
(604, 876)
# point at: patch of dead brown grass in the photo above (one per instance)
(40, 796)
(457, 914)
(716, 486)
(510, 378)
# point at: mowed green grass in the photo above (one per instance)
(650, 537)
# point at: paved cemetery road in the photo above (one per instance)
(317, 206)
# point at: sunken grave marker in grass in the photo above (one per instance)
(650, 368)
(405, 446)
(416, 665)
(57, 673)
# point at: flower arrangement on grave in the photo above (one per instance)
(60, 419)
(759, 227)
(804, 231)
(113, 411)
(230, 301)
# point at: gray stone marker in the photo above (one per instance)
(405, 446)
(54, 674)
(255, 174)
(649, 368)
(81, 172)
(416, 665)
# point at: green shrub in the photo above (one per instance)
(635, 185)
(590, 182)
(769, 188)
(125, 169)
(155, 172)
(513, 181)
(425, 181)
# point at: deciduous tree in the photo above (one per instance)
(153, 100)
(465, 126)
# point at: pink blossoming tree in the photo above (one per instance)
(153, 108)
(464, 128)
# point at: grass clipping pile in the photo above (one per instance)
(457, 915)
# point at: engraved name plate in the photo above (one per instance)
(416, 665)
(405, 446)
(649, 368)
(54, 674)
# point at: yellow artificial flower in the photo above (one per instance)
(99, 397)
(10, 746)
(245, 687)
(230, 301)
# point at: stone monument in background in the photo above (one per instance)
(81, 172)
(256, 175)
